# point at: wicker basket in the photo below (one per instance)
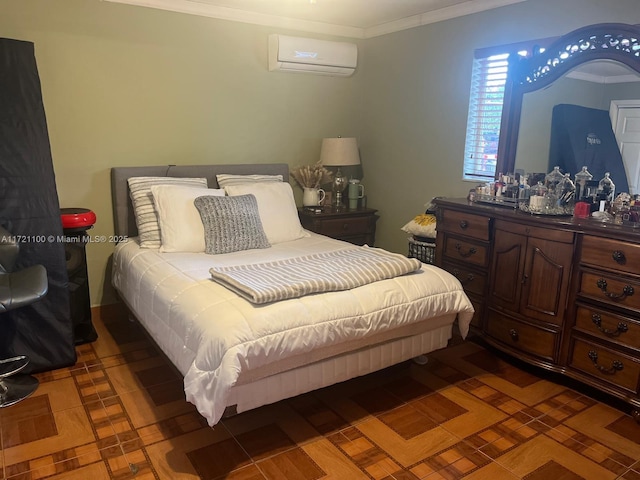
(423, 251)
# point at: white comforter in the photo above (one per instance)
(213, 336)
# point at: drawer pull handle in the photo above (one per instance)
(466, 254)
(616, 365)
(464, 224)
(457, 273)
(627, 290)
(514, 334)
(622, 327)
(619, 257)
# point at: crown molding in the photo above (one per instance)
(447, 13)
(193, 7)
(233, 14)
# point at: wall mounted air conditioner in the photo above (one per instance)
(308, 55)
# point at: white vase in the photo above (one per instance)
(312, 197)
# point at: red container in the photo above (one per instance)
(582, 210)
(77, 218)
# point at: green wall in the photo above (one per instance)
(126, 85)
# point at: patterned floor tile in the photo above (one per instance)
(544, 455)
(604, 429)
(323, 419)
(492, 471)
(204, 453)
(370, 458)
(404, 452)
(32, 431)
(143, 409)
(457, 461)
(89, 466)
(458, 412)
(563, 406)
(292, 464)
(332, 461)
(631, 475)
(507, 435)
(120, 413)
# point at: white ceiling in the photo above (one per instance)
(348, 18)
(604, 71)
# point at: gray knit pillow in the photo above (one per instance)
(231, 224)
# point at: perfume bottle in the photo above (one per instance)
(524, 190)
(581, 179)
(606, 188)
(566, 191)
(552, 179)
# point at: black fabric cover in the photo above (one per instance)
(29, 209)
(582, 136)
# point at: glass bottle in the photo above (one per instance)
(524, 190)
(499, 186)
(552, 179)
(538, 199)
(606, 188)
(581, 179)
(566, 192)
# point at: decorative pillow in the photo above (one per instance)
(423, 225)
(231, 224)
(144, 209)
(226, 179)
(277, 207)
(181, 227)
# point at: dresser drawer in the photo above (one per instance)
(468, 224)
(610, 290)
(339, 227)
(611, 254)
(460, 249)
(551, 234)
(471, 281)
(604, 325)
(605, 364)
(522, 336)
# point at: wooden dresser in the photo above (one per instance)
(557, 292)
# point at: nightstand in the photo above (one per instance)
(354, 226)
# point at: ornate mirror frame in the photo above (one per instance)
(606, 41)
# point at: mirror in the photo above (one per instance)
(589, 67)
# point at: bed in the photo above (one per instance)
(235, 354)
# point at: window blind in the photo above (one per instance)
(488, 79)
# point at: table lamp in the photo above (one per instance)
(339, 152)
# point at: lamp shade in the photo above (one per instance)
(339, 152)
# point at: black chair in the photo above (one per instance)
(17, 289)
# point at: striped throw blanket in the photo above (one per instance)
(322, 272)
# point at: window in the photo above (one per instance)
(488, 80)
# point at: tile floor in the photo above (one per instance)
(120, 413)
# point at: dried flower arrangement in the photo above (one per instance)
(312, 176)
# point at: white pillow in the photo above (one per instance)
(277, 208)
(144, 209)
(181, 228)
(228, 179)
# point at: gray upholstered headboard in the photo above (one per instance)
(123, 218)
